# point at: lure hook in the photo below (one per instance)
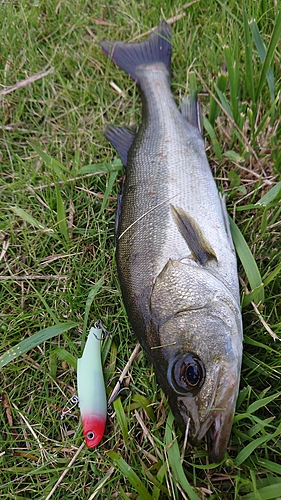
(98, 324)
(114, 396)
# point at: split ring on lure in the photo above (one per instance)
(91, 388)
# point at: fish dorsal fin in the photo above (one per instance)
(193, 236)
(121, 139)
(191, 111)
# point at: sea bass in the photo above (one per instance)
(175, 257)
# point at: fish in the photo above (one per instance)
(91, 388)
(175, 257)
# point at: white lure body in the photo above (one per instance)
(91, 389)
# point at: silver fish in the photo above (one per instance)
(175, 257)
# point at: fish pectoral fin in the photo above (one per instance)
(193, 236)
(191, 111)
(121, 139)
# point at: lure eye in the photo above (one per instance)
(186, 373)
(90, 435)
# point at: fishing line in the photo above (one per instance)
(143, 215)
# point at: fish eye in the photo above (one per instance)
(186, 373)
(90, 435)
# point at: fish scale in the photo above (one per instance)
(175, 257)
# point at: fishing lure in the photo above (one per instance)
(91, 388)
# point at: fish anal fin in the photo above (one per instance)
(121, 139)
(193, 236)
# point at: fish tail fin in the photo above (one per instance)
(191, 111)
(128, 56)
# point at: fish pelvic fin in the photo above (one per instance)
(193, 236)
(128, 56)
(121, 139)
(191, 111)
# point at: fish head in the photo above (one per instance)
(93, 429)
(198, 361)
(203, 399)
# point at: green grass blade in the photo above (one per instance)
(203, 467)
(232, 155)
(208, 127)
(45, 302)
(232, 59)
(260, 345)
(157, 485)
(270, 277)
(270, 196)
(275, 38)
(51, 162)
(132, 477)
(252, 296)
(271, 466)
(160, 477)
(33, 341)
(61, 215)
(30, 220)
(53, 365)
(111, 180)
(249, 70)
(92, 294)
(214, 109)
(248, 262)
(115, 165)
(230, 13)
(270, 112)
(224, 102)
(64, 355)
(123, 495)
(262, 402)
(271, 492)
(145, 404)
(175, 459)
(122, 419)
(249, 449)
(262, 53)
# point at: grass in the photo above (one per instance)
(59, 182)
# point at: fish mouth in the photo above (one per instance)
(218, 436)
(216, 424)
(217, 429)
